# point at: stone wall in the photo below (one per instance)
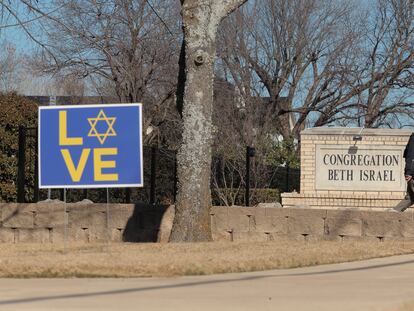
(263, 224)
(317, 191)
(85, 223)
(43, 223)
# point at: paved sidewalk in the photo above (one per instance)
(379, 284)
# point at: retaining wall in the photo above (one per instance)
(139, 223)
(87, 223)
(261, 224)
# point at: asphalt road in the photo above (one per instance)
(379, 284)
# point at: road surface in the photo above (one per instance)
(378, 284)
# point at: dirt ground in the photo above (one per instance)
(150, 260)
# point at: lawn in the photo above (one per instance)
(169, 260)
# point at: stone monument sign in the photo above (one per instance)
(354, 168)
(350, 168)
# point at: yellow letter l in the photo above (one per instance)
(64, 140)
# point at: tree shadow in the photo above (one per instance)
(144, 225)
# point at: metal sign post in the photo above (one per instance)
(65, 223)
(52, 102)
(108, 232)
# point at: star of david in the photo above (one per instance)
(110, 130)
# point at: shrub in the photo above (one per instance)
(233, 196)
(15, 111)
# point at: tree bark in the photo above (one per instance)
(200, 22)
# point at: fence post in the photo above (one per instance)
(153, 173)
(128, 195)
(21, 165)
(36, 168)
(250, 152)
(287, 177)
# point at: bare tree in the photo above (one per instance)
(295, 53)
(384, 79)
(201, 19)
(237, 125)
(128, 45)
(10, 68)
(27, 15)
(320, 62)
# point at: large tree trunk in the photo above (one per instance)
(200, 21)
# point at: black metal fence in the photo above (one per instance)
(250, 180)
(27, 180)
(160, 179)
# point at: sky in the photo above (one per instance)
(18, 38)
(24, 45)
(16, 35)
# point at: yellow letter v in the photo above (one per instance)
(75, 172)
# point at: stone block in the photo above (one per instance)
(17, 215)
(125, 208)
(219, 221)
(239, 222)
(381, 227)
(84, 215)
(344, 214)
(222, 235)
(33, 235)
(372, 239)
(99, 234)
(274, 224)
(90, 208)
(304, 237)
(341, 226)
(49, 217)
(336, 238)
(166, 225)
(99, 220)
(269, 205)
(250, 236)
(304, 212)
(57, 235)
(277, 212)
(116, 234)
(245, 211)
(27, 207)
(407, 228)
(150, 220)
(78, 219)
(219, 210)
(79, 235)
(118, 218)
(274, 236)
(86, 218)
(313, 237)
(7, 235)
(307, 224)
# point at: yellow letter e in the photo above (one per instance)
(99, 164)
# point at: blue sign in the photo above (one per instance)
(90, 146)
